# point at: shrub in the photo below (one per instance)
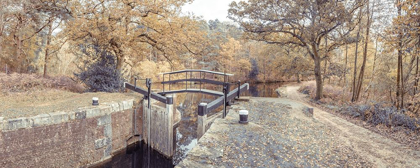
(102, 76)
(382, 115)
(331, 95)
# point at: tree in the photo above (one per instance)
(130, 29)
(357, 88)
(22, 26)
(305, 23)
(229, 51)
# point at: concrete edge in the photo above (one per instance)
(64, 116)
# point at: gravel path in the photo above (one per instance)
(377, 149)
(278, 135)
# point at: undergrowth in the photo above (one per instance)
(16, 82)
(376, 113)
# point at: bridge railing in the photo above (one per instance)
(194, 75)
(204, 108)
(147, 93)
(223, 100)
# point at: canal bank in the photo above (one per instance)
(63, 129)
(278, 134)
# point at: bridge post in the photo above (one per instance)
(225, 92)
(201, 122)
(239, 88)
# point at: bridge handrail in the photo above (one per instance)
(197, 70)
(231, 95)
(144, 92)
(193, 80)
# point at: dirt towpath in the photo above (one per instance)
(375, 148)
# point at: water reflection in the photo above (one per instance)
(263, 90)
(138, 155)
(186, 133)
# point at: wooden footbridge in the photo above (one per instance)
(158, 122)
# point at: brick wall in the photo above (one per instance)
(67, 139)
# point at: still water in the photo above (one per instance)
(185, 134)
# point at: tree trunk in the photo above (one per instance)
(399, 103)
(353, 98)
(325, 70)
(325, 57)
(373, 70)
(318, 78)
(19, 54)
(362, 69)
(345, 68)
(297, 77)
(47, 50)
(119, 63)
(416, 84)
(354, 89)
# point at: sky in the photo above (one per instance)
(209, 9)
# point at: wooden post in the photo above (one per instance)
(146, 122)
(170, 123)
(202, 117)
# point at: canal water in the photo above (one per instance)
(140, 156)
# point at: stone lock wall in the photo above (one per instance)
(68, 139)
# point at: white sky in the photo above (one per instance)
(209, 9)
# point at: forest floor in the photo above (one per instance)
(381, 150)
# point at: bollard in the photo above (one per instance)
(243, 116)
(310, 112)
(95, 101)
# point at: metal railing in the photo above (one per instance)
(148, 93)
(226, 97)
(203, 109)
(190, 78)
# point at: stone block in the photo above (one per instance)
(72, 115)
(42, 119)
(18, 123)
(120, 106)
(104, 120)
(108, 151)
(100, 143)
(108, 130)
(124, 105)
(93, 112)
(115, 107)
(128, 104)
(59, 117)
(80, 115)
(105, 110)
